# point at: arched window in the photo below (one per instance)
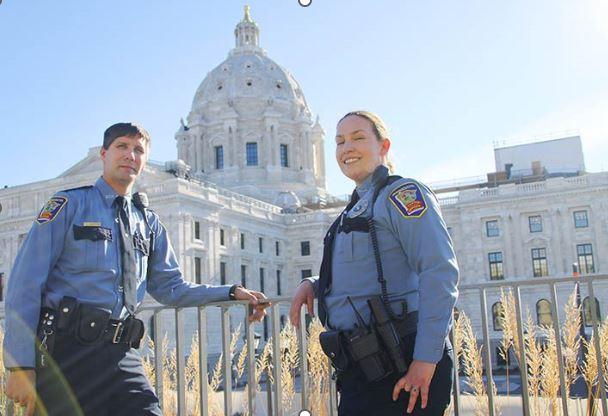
(587, 318)
(497, 314)
(543, 313)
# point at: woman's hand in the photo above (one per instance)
(305, 294)
(416, 381)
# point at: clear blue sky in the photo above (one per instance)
(449, 78)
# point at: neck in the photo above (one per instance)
(120, 188)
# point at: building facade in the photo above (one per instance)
(245, 201)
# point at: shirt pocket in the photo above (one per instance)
(361, 245)
(93, 243)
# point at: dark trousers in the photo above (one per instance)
(360, 398)
(97, 380)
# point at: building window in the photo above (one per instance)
(278, 283)
(539, 262)
(219, 157)
(580, 219)
(305, 248)
(242, 241)
(222, 237)
(197, 230)
(543, 313)
(277, 248)
(492, 229)
(306, 273)
(496, 271)
(587, 318)
(243, 275)
(585, 258)
(261, 244)
(497, 316)
(284, 159)
(536, 223)
(262, 279)
(252, 154)
(197, 270)
(222, 273)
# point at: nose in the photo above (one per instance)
(130, 154)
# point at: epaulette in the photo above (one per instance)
(75, 189)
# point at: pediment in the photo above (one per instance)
(91, 163)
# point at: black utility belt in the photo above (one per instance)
(376, 349)
(89, 324)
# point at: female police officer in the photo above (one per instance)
(409, 260)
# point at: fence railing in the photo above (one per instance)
(272, 402)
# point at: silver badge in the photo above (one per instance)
(358, 209)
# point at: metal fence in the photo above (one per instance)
(274, 391)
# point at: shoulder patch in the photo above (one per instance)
(51, 209)
(409, 200)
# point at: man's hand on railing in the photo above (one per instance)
(21, 388)
(305, 294)
(257, 300)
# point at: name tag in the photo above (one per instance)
(92, 233)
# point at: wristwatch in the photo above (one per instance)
(232, 292)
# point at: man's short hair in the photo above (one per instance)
(124, 130)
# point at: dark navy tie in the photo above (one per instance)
(128, 260)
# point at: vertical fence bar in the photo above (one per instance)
(158, 355)
(203, 400)
(276, 359)
(488, 357)
(456, 387)
(251, 351)
(181, 362)
(558, 343)
(303, 345)
(523, 364)
(227, 360)
(598, 350)
(333, 397)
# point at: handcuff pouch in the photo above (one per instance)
(92, 323)
(332, 343)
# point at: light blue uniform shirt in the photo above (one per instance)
(52, 264)
(417, 257)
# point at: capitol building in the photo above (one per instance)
(245, 201)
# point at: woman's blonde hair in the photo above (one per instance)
(379, 128)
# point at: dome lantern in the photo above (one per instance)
(247, 33)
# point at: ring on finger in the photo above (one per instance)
(414, 390)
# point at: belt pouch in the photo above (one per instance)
(333, 346)
(135, 331)
(92, 323)
(68, 307)
(366, 351)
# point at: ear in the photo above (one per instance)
(102, 153)
(386, 145)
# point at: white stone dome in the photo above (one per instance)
(246, 79)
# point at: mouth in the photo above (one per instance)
(351, 160)
(128, 168)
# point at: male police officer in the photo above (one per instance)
(79, 276)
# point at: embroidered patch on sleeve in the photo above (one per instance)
(51, 209)
(409, 200)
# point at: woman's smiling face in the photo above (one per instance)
(358, 150)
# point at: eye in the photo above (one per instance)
(359, 138)
(340, 142)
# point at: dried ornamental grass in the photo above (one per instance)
(550, 374)
(589, 367)
(318, 371)
(473, 368)
(571, 340)
(508, 321)
(289, 363)
(534, 361)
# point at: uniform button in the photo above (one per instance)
(65, 310)
(92, 324)
(52, 317)
(120, 289)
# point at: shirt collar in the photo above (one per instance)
(376, 179)
(108, 193)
